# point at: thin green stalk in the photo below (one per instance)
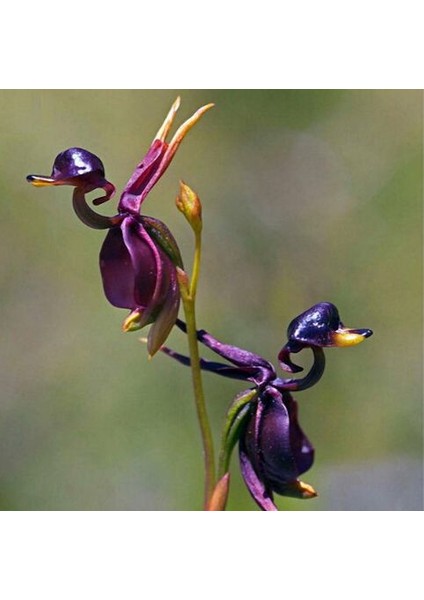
(188, 295)
(196, 263)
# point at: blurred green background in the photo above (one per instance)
(307, 196)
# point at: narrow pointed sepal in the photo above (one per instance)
(164, 321)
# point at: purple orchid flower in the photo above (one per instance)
(139, 256)
(273, 449)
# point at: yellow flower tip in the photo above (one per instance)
(307, 490)
(350, 337)
(299, 489)
(132, 322)
(41, 180)
(169, 119)
(187, 125)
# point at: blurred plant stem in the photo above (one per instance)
(188, 295)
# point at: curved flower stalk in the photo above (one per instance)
(139, 256)
(273, 449)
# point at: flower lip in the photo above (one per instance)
(321, 326)
(318, 327)
(41, 180)
(77, 167)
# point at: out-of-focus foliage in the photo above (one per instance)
(307, 196)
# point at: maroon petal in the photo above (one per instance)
(302, 448)
(261, 495)
(131, 266)
(150, 268)
(117, 270)
(277, 458)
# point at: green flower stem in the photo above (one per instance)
(196, 263)
(188, 295)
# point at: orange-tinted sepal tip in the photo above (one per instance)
(219, 497)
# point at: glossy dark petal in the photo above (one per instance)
(149, 266)
(117, 270)
(75, 162)
(276, 459)
(131, 267)
(274, 451)
(257, 489)
(302, 448)
(315, 326)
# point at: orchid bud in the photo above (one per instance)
(219, 497)
(189, 204)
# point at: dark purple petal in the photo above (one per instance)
(148, 265)
(257, 368)
(261, 495)
(274, 450)
(209, 365)
(131, 266)
(117, 270)
(277, 460)
(302, 448)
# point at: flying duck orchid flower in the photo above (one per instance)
(139, 256)
(273, 449)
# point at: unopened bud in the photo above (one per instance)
(189, 204)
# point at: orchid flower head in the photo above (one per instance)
(139, 256)
(318, 327)
(274, 451)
